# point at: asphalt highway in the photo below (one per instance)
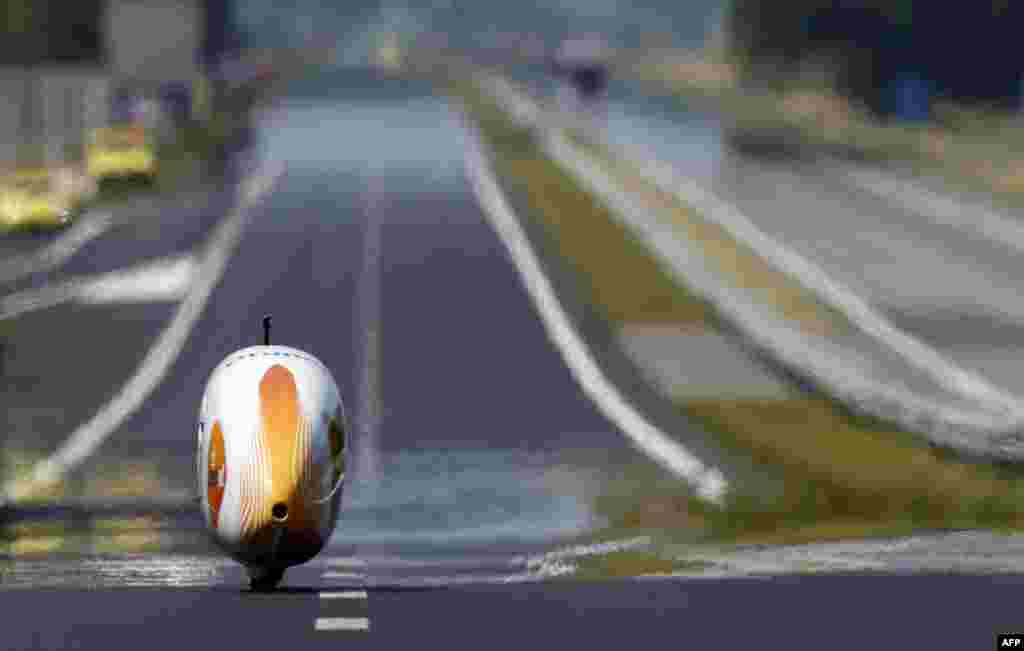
(476, 450)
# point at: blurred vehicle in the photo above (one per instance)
(42, 198)
(271, 458)
(122, 151)
(583, 65)
(388, 53)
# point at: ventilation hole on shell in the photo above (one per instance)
(279, 512)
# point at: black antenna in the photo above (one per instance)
(266, 330)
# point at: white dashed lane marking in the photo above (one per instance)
(344, 576)
(342, 624)
(353, 594)
(344, 610)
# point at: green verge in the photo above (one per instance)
(124, 478)
(95, 535)
(840, 476)
(633, 563)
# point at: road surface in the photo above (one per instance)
(477, 450)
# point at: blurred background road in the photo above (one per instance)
(933, 272)
(481, 465)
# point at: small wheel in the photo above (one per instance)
(265, 579)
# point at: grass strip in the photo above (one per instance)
(626, 563)
(114, 478)
(841, 479)
(842, 475)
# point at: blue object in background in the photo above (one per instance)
(910, 97)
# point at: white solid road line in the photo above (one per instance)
(167, 279)
(349, 594)
(667, 452)
(88, 436)
(342, 624)
(57, 252)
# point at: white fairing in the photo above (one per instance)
(271, 455)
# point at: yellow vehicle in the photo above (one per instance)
(38, 199)
(389, 52)
(120, 151)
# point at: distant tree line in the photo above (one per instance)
(50, 31)
(962, 50)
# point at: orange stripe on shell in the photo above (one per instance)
(283, 464)
(216, 473)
